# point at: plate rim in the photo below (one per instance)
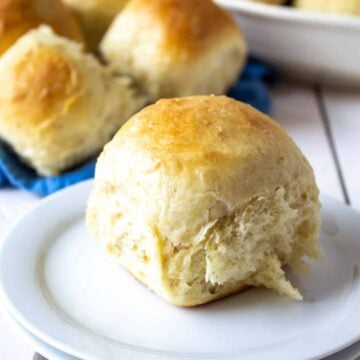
(39, 345)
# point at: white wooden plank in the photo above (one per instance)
(343, 109)
(296, 109)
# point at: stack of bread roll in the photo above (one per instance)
(197, 196)
(59, 105)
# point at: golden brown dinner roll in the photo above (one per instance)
(200, 197)
(58, 106)
(175, 47)
(95, 17)
(351, 7)
(19, 16)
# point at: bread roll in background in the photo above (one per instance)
(200, 197)
(58, 105)
(95, 16)
(350, 7)
(19, 16)
(175, 47)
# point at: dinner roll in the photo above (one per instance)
(95, 17)
(175, 47)
(58, 106)
(203, 196)
(19, 16)
(350, 7)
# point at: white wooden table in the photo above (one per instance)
(324, 123)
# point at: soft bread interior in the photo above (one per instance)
(247, 247)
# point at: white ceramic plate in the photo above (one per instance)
(59, 285)
(323, 48)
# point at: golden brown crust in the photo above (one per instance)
(175, 124)
(188, 27)
(19, 16)
(187, 137)
(200, 131)
(45, 81)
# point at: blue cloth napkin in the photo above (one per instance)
(251, 88)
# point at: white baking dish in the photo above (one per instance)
(321, 48)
